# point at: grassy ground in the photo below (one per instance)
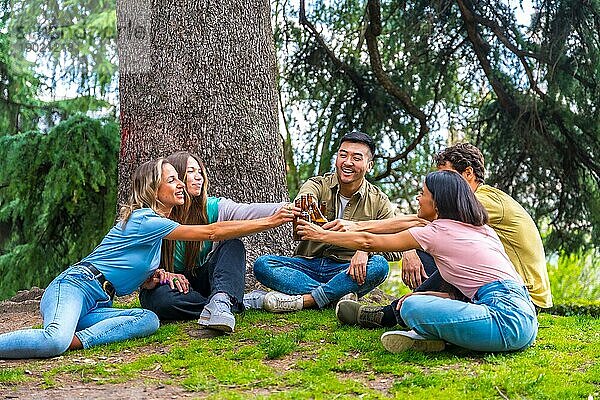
(309, 355)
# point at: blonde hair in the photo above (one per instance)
(144, 189)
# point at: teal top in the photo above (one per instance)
(212, 211)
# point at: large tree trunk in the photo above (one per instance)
(200, 76)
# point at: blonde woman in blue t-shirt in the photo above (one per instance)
(76, 306)
(210, 276)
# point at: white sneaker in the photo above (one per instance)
(254, 300)
(399, 341)
(217, 314)
(280, 302)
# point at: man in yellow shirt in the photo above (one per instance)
(515, 227)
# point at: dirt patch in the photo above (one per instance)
(96, 391)
(380, 382)
(22, 312)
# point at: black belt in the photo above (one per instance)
(108, 287)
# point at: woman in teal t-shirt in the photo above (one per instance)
(76, 306)
(215, 272)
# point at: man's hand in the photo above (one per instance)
(358, 267)
(413, 273)
(340, 225)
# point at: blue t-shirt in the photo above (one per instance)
(129, 254)
(212, 212)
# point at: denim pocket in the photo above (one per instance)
(516, 320)
(90, 286)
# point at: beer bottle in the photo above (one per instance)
(298, 204)
(303, 205)
(317, 216)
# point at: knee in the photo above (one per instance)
(411, 309)
(56, 342)
(236, 246)
(378, 269)
(148, 321)
(262, 267)
(161, 301)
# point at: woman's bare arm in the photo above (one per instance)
(391, 225)
(358, 240)
(231, 229)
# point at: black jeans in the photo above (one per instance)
(223, 271)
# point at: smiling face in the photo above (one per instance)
(170, 192)
(427, 209)
(352, 163)
(193, 177)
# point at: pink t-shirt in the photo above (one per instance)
(467, 256)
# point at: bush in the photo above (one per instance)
(575, 277)
(57, 198)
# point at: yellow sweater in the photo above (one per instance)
(521, 239)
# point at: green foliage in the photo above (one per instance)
(18, 85)
(57, 198)
(590, 308)
(45, 45)
(322, 101)
(527, 95)
(76, 40)
(575, 277)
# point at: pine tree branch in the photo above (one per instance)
(373, 30)
(345, 68)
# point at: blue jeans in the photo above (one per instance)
(223, 271)
(75, 304)
(500, 318)
(325, 279)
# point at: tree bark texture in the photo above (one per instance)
(200, 76)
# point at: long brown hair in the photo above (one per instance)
(193, 212)
(144, 188)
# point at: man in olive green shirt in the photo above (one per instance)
(319, 273)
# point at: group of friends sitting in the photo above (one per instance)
(472, 256)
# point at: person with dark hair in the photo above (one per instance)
(319, 274)
(214, 272)
(515, 227)
(77, 305)
(500, 315)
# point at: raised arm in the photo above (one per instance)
(391, 225)
(358, 240)
(229, 210)
(231, 229)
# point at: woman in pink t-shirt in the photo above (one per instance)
(470, 256)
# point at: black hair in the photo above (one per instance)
(454, 198)
(359, 137)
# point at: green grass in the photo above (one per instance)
(308, 355)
